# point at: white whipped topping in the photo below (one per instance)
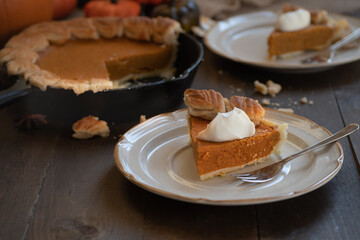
(293, 21)
(228, 126)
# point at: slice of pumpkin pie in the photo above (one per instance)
(228, 134)
(298, 29)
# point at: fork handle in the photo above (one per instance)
(349, 38)
(340, 134)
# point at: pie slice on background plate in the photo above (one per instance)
(320, 34)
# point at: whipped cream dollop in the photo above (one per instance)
(228, 126)
(293, 21)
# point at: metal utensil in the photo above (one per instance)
(328, 54)
(205, 25)
(269, 172)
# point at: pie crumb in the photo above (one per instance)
(304, 100)
(142, 118)
(270, 88)
(311, 102)
(265, 102)
(260, 87)
(288, 110)
(273, 88)
(90, 126)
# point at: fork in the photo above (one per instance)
(329, 54)
(267, 173)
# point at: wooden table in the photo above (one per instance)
(55, 187)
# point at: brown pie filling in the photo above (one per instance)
(111, 59)
(314, 37)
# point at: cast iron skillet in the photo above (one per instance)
(151, 97)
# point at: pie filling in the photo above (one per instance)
(115, 59)
(214, 158)
(312, 38)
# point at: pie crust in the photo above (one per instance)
(22, 51)
(204, 103)
(90, 126)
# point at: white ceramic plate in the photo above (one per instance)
(156, 156)
(243, 39)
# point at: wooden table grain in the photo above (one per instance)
(55, 187)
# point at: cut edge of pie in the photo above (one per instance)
(22, 51)
(218, 158)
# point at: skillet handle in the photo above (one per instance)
(19, 89)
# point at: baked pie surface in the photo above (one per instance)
(91, 53)
(219, 158)
(109, 58)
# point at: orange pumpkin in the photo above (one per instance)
(63, 8)
(153, 2)
(121, 8)
(15, 15)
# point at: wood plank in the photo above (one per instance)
(84, 195)
(24, 164)
(347, 93)
(170, 219)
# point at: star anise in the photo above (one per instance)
(31, 121)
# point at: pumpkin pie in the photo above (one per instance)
(320, 34)
(219, 158)
(92, 53)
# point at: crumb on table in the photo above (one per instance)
(260, 87)
(90, 126)
(304, 100)
(271, 88)
(142, 118)
(265, 102)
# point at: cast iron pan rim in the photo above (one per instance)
(21, 88)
